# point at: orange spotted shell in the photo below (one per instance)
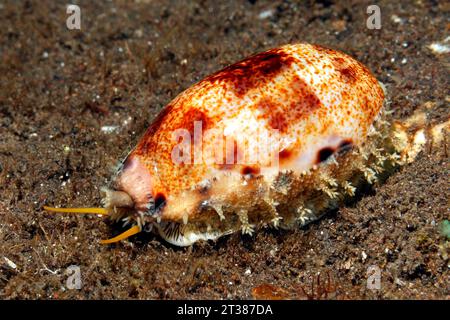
(314, 100)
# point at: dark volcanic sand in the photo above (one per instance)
(58, 88)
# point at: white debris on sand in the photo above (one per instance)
(440, 47)
(266, 14)
(396, 19)
(110, 129)
(10, 264)
(116, 128)
(126, 121)
(364, 256)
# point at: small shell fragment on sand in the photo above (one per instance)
(440, 47)
(109, 129)
(10, 264)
